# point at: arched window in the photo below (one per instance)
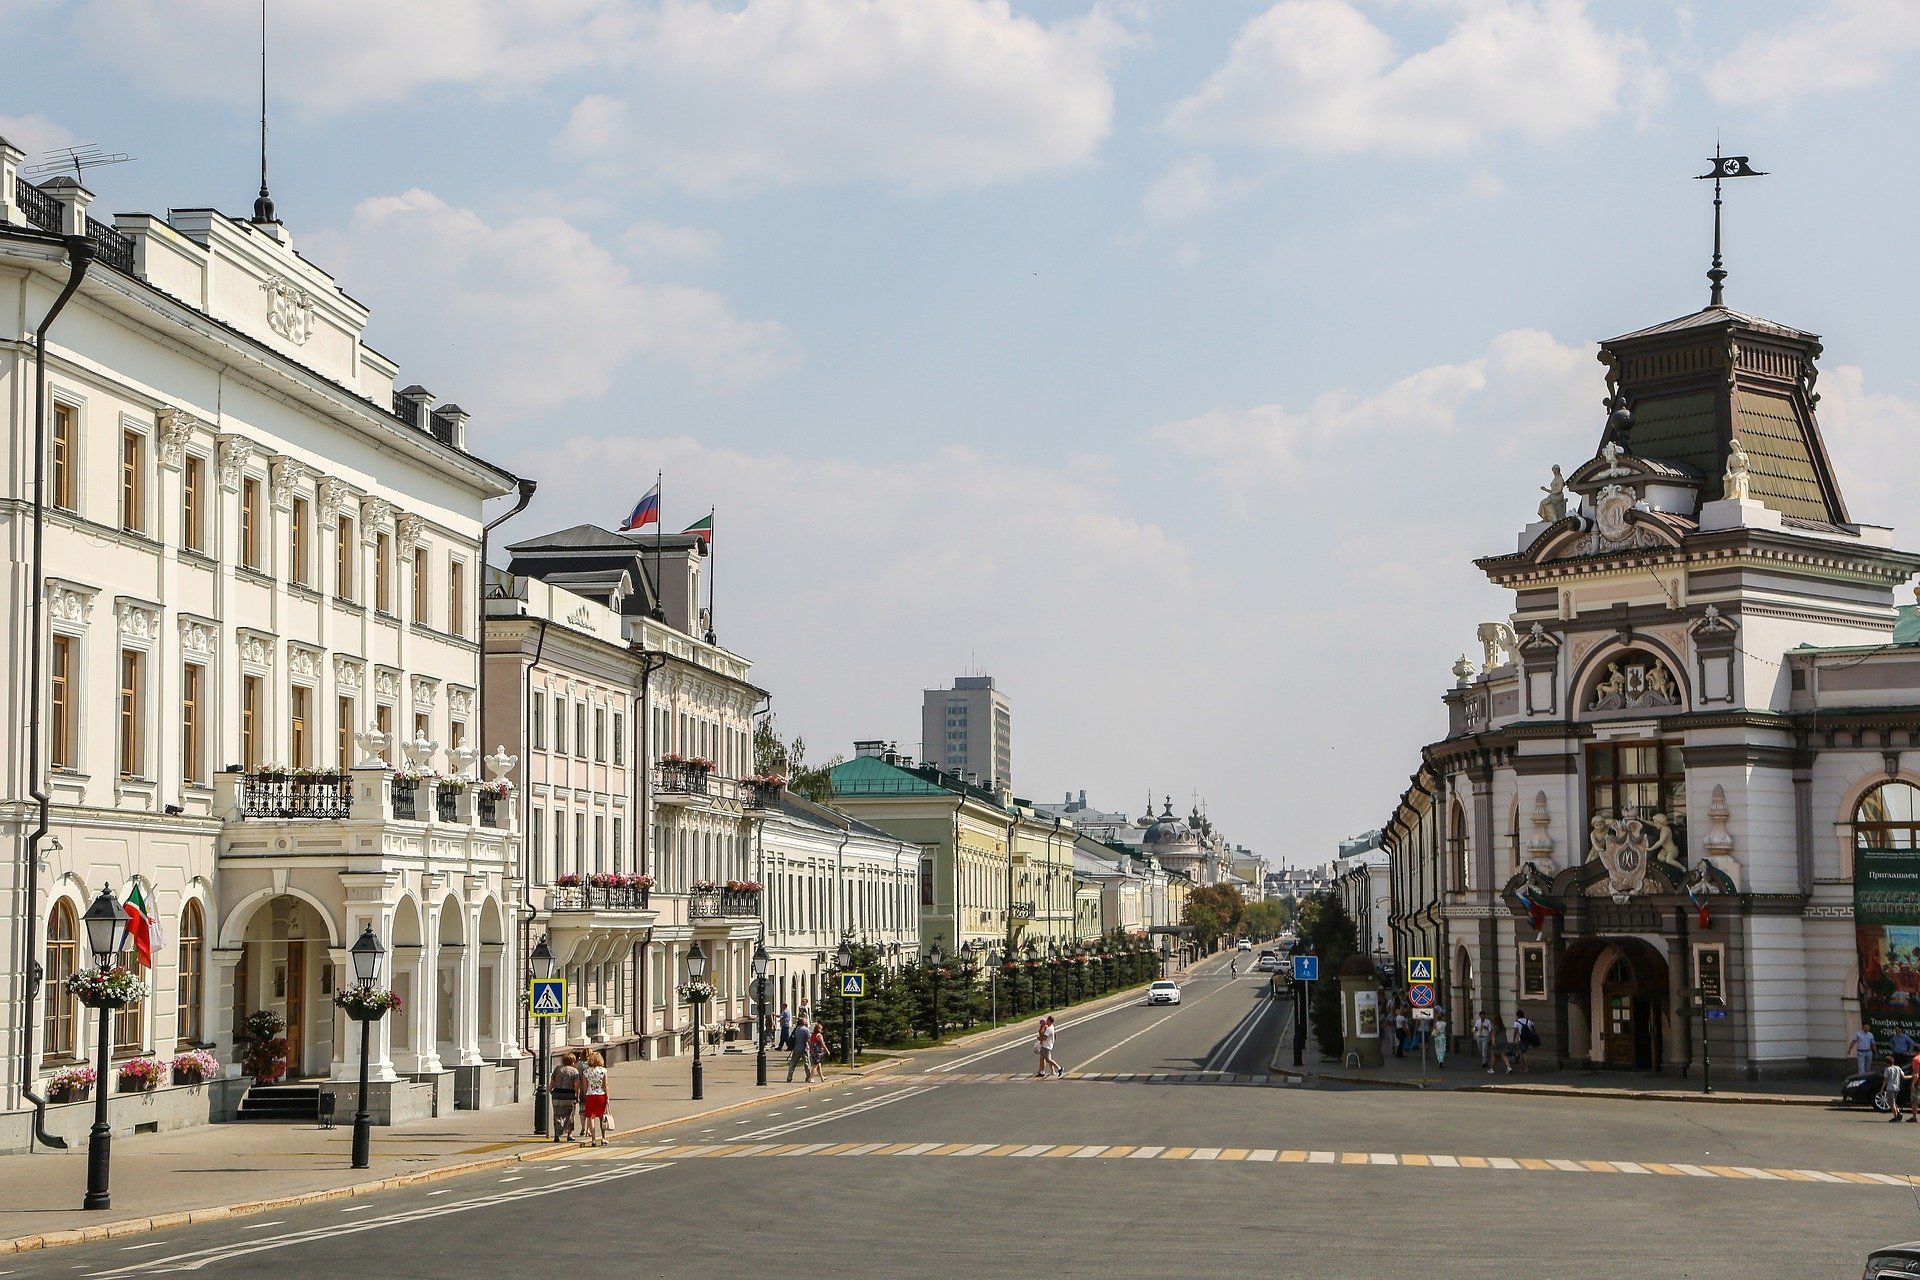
(191, 1023)
(1888, 817)
(1459, 850)
(1513, 836)
(63, 957)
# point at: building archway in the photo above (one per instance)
(286, 969)
(1464, 1005)
(1622, 983)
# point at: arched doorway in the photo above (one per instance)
(1623, 984)
(1464, 1010)
(285, 968)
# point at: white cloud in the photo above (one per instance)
(1846, 44)
(1525, 381)
(1319, 76)
(531, 311)
(657, 244)
(1189, 189)
(1870, 435)
(925, 95)
(35, 134)
(335, 56)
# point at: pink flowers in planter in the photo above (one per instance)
(71, 1083)
(703, 886)
(619, 880)
(743, 886)
(196, 1066)
(139, 1074)
(567, 881)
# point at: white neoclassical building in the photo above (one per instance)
(260, 577)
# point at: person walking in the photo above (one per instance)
(594, 1080)
(797, 1047)
(1502, 1047)
(1912, 1066)
(1043, 1042)
(1525, 1039)
(816, 1053)
(563, 1089)
(1861, 1047)
(1903, 1046)
(786, 1026)
(1483, 1041)
(1892, 1076)
(1399, 1033)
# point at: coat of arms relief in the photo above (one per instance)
(1630, 847)
(289, 309)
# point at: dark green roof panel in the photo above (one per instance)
(1679, 428)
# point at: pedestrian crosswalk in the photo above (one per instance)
(1249, 1156)
(1111, 1077)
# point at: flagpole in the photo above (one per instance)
(1717, 275)
(713, 574)
(659, 529)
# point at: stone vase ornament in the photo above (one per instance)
(419, 752)
(460, 761)
(374, 746)
(500, 764)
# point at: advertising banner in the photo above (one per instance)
(1886, 925)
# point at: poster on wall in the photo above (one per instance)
(1886, 926)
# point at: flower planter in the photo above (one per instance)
(187, 1077)
(79, 1093)
(138, 1086)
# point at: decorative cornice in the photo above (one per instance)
(176, 427)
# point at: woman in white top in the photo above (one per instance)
(593, 1084)
(1043, 1045)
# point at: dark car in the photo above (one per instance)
(1895, 1262)
(1864, 1091)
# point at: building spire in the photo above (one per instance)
(263, 204)
(1723, 167)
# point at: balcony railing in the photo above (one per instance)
(724, 904)
(406, 799)
(446, 801)
(588, 897)
(42, 210)
(763, 795)
(682, 780)
(280, 795)
(489, 807)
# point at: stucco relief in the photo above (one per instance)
(137, 621)
(289, 309)
(235, 453)
(1632, 681)
(287, 475)
(302, 661)
(70, 605)
(176, 427)
(334, 496)
(425, 691)
(256, 651)
(198, 638)
(410, 532)
(459, 702)
(376, 517)
(387, 684)
(348, 674)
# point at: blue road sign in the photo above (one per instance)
(1306, 968)
(1419, 968)
(1716, 1013)
(547, 997)
(853, 985)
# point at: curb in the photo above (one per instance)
(545, 1150)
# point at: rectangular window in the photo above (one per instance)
(64, 701)
(619, 830)
(133, 486)
(457, 734)
(580, 843)
(537, 722)
(383, 723)
(559, 724)
(926, 879)
(382, 573)
(251, 723)
(343, 734)
(536, 832)
(421, 724)
(63, 479)
(252, 524)
(580, 729)
(420, 585)
(301, 571)
(599, 844)
(193, 711)
(127, 1021)
(193, 504)
(599, 733)
(1646, 777)
(132, 723)
(457, 597)
(619, 739)
(299, 721)
(343, 553)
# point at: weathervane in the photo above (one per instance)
(1723, 167)
(263, 204)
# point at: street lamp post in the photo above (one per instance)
(542, 962)
(106, 937)
(760, 995)
(936, 958)
(844, 958)
(993, 986)
(365, 954)
(697, 972)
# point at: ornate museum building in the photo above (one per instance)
(1688, 765)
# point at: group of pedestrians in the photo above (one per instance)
(805, 1044)
(1510, 1046)
(1401, 1031)
(1898, 1071)
(583, 1088)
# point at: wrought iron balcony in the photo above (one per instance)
(722, 904)
(591, 897)
(284, 795)
(679, 779)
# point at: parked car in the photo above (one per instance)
(1163, 992)
(1864, 1091)
(1269, 963)
(1895, 1262)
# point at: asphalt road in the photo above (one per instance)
(964, 1166)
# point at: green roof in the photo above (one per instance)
(1907, 629)
(872, 776)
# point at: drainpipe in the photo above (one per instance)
(79, 255)
(526, 488)
(642, 795)
(528, 912)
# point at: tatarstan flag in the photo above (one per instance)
(143, 929)
(702, 528)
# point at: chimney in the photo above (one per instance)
(10, 157)
(450, 425)
(1083, 798)
(410, 405)
(873, 747)
(74, 200)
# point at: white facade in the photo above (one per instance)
(251, 558)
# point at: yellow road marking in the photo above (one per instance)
(1667, 1169)
(1005, 1149)
(1418, 1162)
(1292, 1157)
(1599, 1166)
(1234, 1153)
(1473, 1162)
(1112, 1152)
(1353, 1157)
(1176, 1153)
(949, 1149)
(1531, 1163)
(893, 1148)
(839, 1147)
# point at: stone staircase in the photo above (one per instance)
(281, 1104)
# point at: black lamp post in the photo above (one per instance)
(106, 938)
(542, 962)
(1053, 974)
(844, 959)
(993, 985)
(936, 958)
(365, 953)
(1033, 969)
(760, 995)
(696, 972)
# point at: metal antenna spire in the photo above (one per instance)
(1723, 167)
(263, 205)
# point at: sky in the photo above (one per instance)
(1169, 360)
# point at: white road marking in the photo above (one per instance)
(358, 1208)
(1116, 1044)
(1144, 1153)
(1237, 1038)
(125, 1248)
(198, 1259)
(255, 1226)
(826, 1117)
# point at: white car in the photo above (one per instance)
(1246, 944)
(1163, 992)
(1269, 963)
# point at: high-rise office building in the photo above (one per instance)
(969, 729)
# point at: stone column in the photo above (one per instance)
(427, 994)
(466, 994)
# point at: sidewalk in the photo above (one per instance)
(1465, 1074)
(216, 1171)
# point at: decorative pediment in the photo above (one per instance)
(1631, 854)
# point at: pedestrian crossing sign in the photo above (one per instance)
(547, 997)
(853, 985)
(1419, 969)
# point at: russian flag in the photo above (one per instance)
(645, 512)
